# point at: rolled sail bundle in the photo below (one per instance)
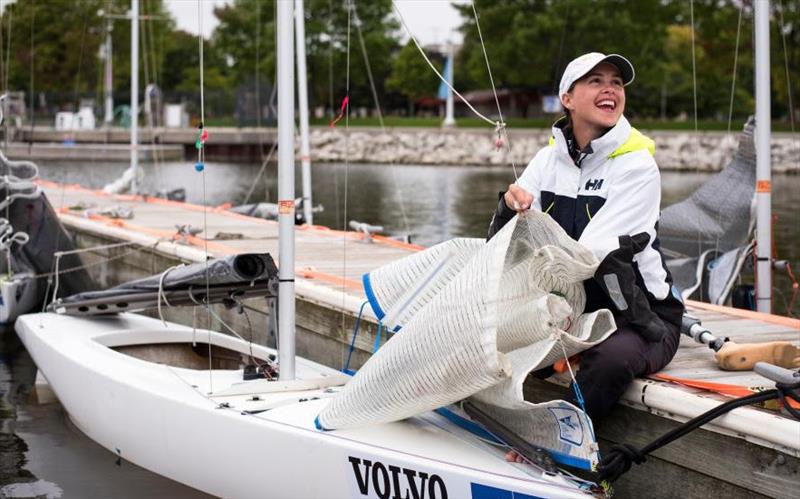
(217, 281)
(474, 318)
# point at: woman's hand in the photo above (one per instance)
(517, 198)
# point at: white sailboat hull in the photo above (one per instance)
(214, 432)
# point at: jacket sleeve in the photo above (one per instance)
(618, 234)
(529, 180)
(502, 214)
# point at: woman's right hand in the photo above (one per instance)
(517, 198)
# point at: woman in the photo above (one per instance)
(597, 178)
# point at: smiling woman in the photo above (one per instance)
(598, 179)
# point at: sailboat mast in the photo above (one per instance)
(763, 164)
(286, 323)
(134, 94)
(449, 120)
(302, 102)
(109, 76)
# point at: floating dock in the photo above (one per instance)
(228, 144)
(97, 152)
(750, 452)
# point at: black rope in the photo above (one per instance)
(620, 457)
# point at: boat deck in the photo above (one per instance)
(330, 263)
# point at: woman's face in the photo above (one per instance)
(597, 100)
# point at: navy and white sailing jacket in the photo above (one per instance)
(607, 197)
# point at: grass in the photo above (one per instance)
(643, 124)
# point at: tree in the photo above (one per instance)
(57, 46)
(411, 76)
(54, 47)
(529, 42)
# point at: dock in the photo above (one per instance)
(750, 452)
(227, 144)
(68, 150)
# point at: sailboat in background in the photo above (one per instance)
(34, 246)
(708, 237)
(182, 402)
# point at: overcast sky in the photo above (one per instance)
(431, 21)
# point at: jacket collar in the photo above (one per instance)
(601, 147)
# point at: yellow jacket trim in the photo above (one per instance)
(636, 141)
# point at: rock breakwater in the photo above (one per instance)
(704, 151)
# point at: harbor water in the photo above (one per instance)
(43, 455)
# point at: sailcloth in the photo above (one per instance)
(472, 320)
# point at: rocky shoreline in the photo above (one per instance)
(681, 151)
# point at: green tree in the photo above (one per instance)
(411, 76)
(54, 44)
(326, 26)
(530, 41)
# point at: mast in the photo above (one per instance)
(109, 76)
(134, 94)
(302, 102)
(286, 325)
(763, 164)
(449, 120)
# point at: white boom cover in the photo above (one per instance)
(476, 318)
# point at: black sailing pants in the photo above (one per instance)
(606, 370)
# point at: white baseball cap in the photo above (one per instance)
(579, 66)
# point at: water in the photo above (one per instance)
(46, 456)
(439, 202)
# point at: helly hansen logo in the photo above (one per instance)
(593, 184)
(388, 481)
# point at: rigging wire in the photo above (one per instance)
(575, 384)
(346, 161)
(330, 59)
(730, 109)
(735, 62)
(257, 78)
(786, 67)
(33, 65)
(148, 51)
(201, 165)
(694, 100)
(398, 190)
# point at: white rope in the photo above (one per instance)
(486, 58)
(161, 295)
(501, 130)
(508, 148)
(442, 78)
